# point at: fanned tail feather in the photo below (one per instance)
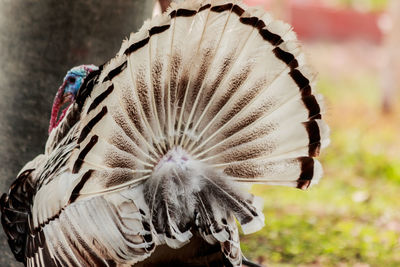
(207, 96)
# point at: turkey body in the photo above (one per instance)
(150, 162)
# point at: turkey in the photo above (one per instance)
(150, 161)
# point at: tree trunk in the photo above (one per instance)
(39, 42)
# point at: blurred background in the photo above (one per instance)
(352, 218)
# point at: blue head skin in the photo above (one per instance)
(67, 92)
(73, 81)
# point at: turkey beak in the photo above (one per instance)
(67, 98)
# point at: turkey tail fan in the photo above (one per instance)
(203, 99)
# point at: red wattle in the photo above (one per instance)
(57, 102)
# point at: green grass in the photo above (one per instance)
(352, 218)
(373, 5)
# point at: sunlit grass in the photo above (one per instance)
(373, 5)
(352, 217)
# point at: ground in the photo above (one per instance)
(351, 218)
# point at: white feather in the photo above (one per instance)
(209, 95)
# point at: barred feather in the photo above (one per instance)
(161, 139)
